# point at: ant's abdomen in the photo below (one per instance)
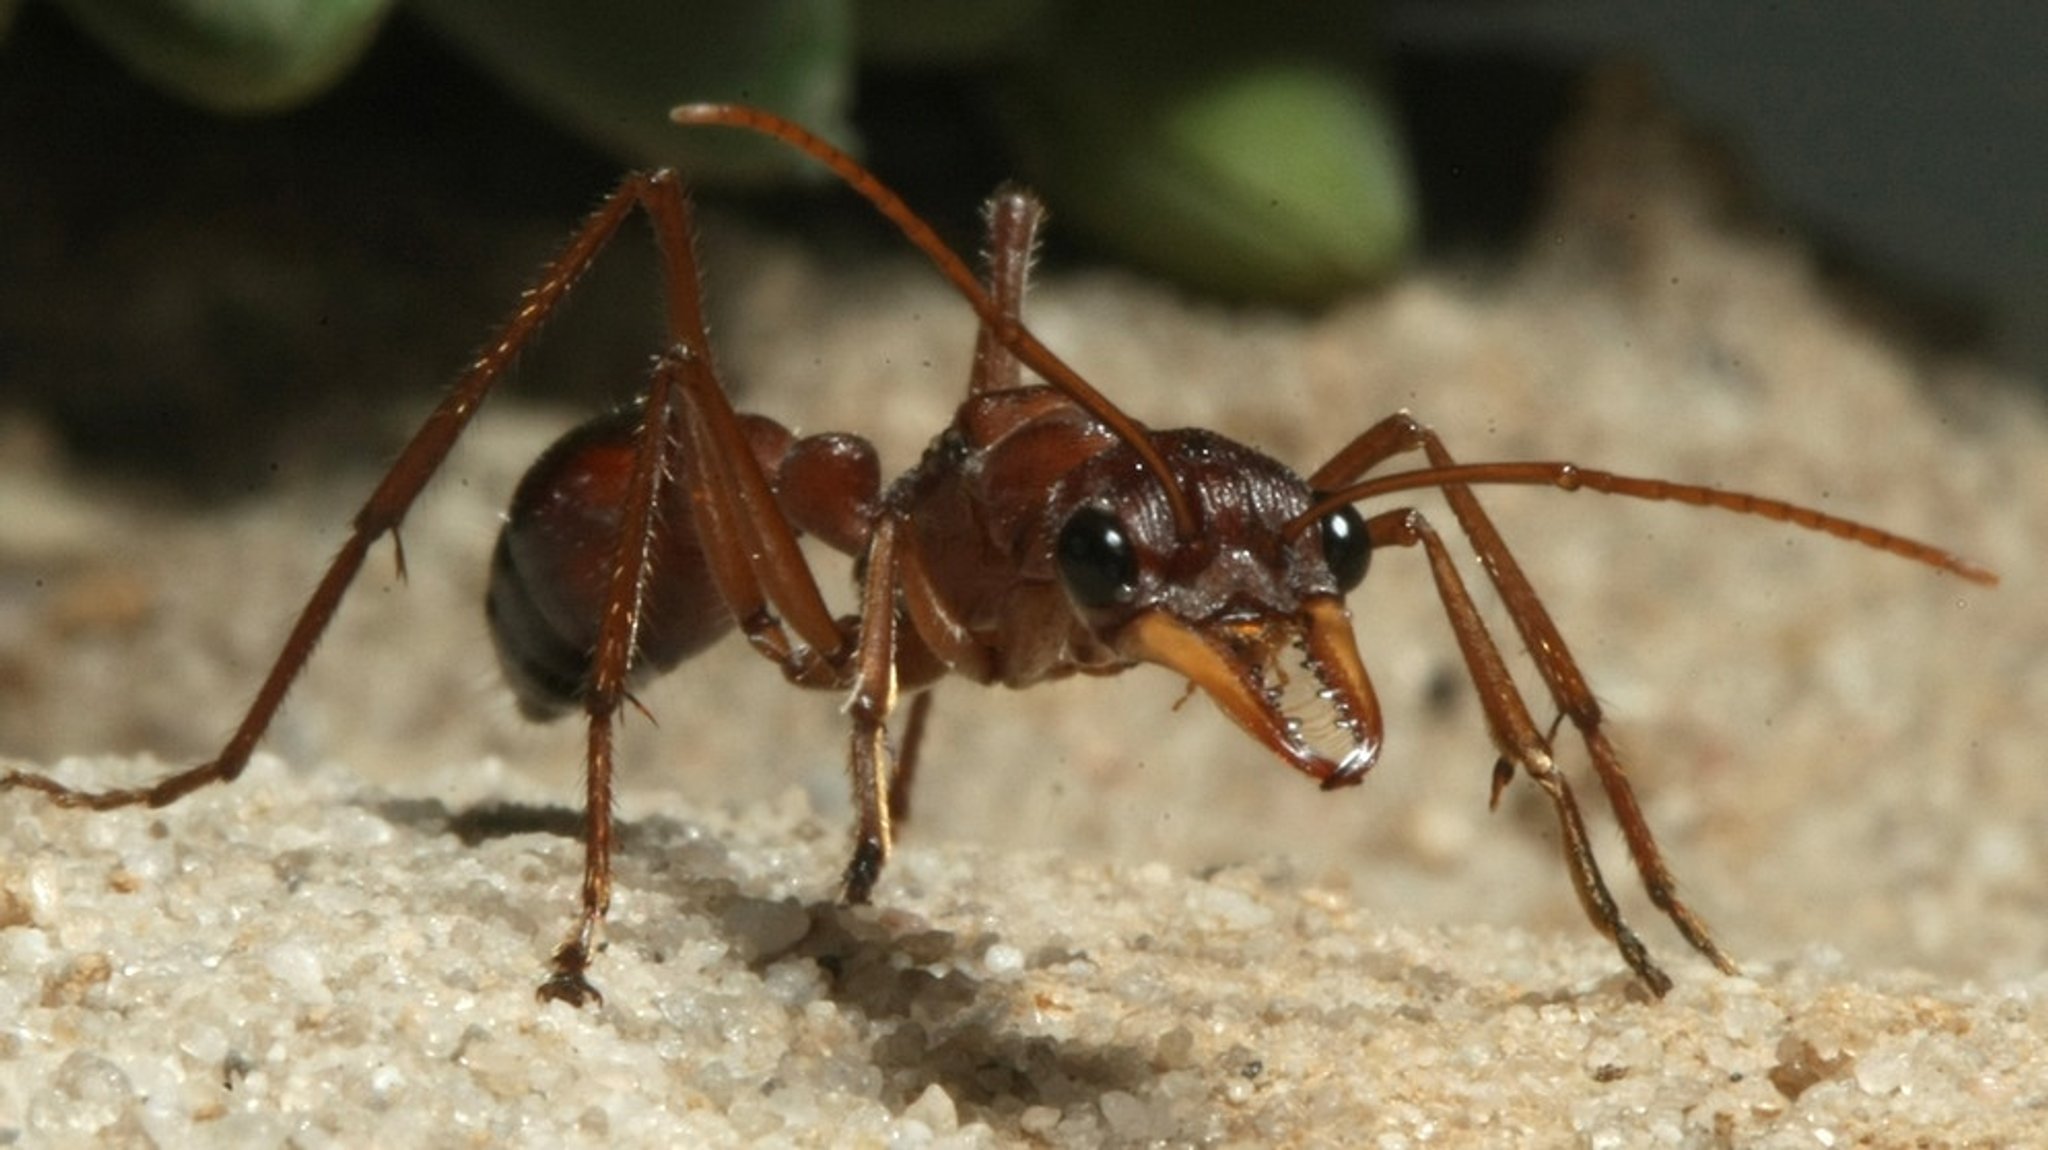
(553, 566)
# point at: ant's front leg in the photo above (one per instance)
(1402, 433)
(882, 796)
(1516, 736)
(907, 641)
(873, 698)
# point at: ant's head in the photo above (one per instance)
(1247, 611)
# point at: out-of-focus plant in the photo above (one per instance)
(610, 70)
(237, 56)
(1243, 149)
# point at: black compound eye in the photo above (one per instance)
(1096, 561)
(1347, 546)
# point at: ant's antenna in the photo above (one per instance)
(1572, 477)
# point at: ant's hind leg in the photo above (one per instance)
(379, 515)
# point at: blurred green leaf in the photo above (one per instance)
(1245, 150)
(239, 56)
(1246, 153)
(610, 70)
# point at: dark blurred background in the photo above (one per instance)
(215, 298)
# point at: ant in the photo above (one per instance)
(1044, 533)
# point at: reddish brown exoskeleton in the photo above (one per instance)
(1044, 533)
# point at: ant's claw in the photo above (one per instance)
(567, 983)
(861, 873)
(1503, 774)
(571, 988)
